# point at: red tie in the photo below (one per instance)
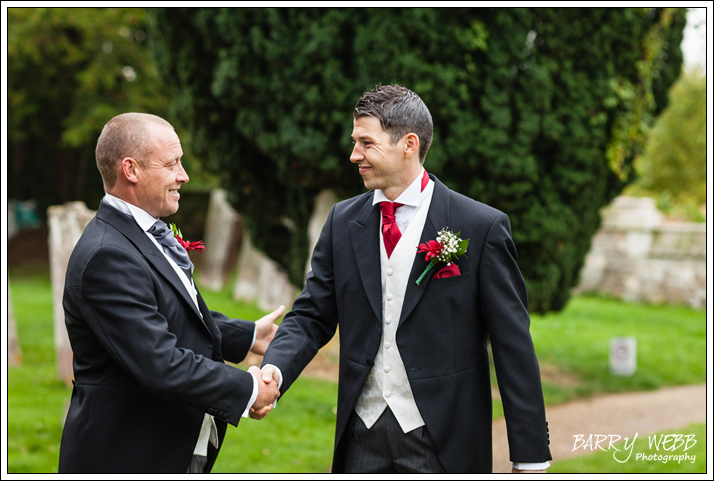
(390, 230)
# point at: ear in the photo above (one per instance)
(130, 169)
(411, 146)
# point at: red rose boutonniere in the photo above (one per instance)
(446, 248)
(189, 246)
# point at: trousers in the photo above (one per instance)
(385, 448)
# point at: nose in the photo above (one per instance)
(357, 154)
(182, 175)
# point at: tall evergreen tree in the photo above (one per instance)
(537, 112)
(69, 71)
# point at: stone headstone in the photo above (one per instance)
(623, 356)
(323, 203)
(12, 227)
(261, 280)
(66, 224)
(14, 353)
(222, 240)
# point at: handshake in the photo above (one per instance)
(268, 392)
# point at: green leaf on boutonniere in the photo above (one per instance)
(175, 230)
(463, 245)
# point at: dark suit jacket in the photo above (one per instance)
(146, 366)
(442, 334)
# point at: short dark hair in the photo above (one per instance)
(126, 135)
(400, 111)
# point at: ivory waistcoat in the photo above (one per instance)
(387, 383)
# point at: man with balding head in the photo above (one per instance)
(151, 391)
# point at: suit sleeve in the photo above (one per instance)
(504, 305)
(237, 336)
(122, 311)
(312, 322)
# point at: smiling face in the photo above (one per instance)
(161, 175)
(382, 164)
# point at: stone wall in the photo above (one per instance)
(639, 256)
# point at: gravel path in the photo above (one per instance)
(621, 414)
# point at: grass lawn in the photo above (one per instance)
(297, 437)
(603, 461)
(36, 399)
(671, 346)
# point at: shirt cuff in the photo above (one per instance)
(280, 379)
(532, 466)
(253, 397)
(253, 341)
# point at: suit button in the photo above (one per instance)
(389, 297)
(388, 394)
(389, 320)
(390, 272)
(387, 369)
(387, 345)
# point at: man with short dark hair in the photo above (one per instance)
(414, 386)
(151, 390)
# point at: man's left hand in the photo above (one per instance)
(265, 329)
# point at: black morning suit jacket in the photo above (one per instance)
(442, 334)
(146, 366)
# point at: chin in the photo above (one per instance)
(169, 210)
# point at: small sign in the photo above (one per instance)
(623, 356)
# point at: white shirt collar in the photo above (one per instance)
(411, 196)
(143, 218)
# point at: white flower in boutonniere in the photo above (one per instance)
(446, 248)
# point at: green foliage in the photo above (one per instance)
(603, 462)
(673, 167)
(537, 112)
(69, 71)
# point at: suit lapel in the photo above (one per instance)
(364, 234)
(128, 227)
(437, 218)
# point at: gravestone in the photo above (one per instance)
(623, 356)
(222, 240)
(261, 280)
(323, 203)
(12, 227)
(14, 353)
(66, 224)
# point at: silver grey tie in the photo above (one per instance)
(171, 246)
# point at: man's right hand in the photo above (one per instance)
(269, 373)
(267, 395)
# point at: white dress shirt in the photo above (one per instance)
(145, 220)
